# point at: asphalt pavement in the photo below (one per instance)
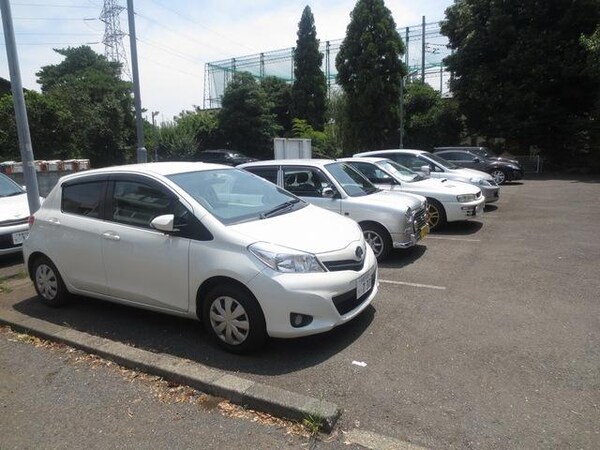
(484, 336)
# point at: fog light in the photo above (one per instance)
(298, 320)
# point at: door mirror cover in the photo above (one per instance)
(328, 192)
(164, 223)
(426, 170)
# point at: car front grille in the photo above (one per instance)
(344, 303)
(420, 219)
(10, 223)
(347, 264)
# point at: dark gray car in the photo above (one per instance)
(501, 171)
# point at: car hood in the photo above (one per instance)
(470, 173)
(514, 162)
(393, 199)
(14, 208)
(310, 229)
(439, 186)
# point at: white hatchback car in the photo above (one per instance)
(14, 213)
(203, 241)
(449, 201)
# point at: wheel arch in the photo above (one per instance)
(210, 283)
(378, 224)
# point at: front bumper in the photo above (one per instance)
(463, 211)
(491, 193)
(329, 298)
(10, 234)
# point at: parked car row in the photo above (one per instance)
(280, 248)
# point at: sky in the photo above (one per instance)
(176, 38)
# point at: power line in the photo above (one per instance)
(183, 16)
(45, 5)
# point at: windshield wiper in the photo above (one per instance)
(279, 209)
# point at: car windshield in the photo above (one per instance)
(441, 161)
(235, 196)
(8, 188)
(352, 181)
(399, 171)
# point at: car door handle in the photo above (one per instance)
(53, 221)
(111, 236)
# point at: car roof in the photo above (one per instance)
(289, 162)
(411, 151)
(155, 168)
(371, 159)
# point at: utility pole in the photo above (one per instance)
(423, 51)
(142, 154)
(33, 192)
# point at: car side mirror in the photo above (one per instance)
(426, 170)
(24, 188)
(477, 159)
(328, 192)
(164, 223)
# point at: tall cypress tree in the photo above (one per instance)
(369, 71)
(310, 87)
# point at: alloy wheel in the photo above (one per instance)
(498, 176)
(375, 241)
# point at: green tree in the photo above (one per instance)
(100, 103)
(245, 119)
(430, 120)
(519, 69)
(310, 87)
(369, 71)
(279, 96)
(49, 126)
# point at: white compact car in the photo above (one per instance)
(14, 213)
(448, 201)
(428, 164)
(389, 220)
(203, 241)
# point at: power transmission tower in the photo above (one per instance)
(114, 50)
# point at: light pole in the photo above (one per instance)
(154, 114)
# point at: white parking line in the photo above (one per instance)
(404, 283)
(453, 239)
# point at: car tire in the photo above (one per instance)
(437, 214)
(48, 283)
(234, 319)
(499, 176)
(378, 239)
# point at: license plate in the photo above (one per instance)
(19, 237)
(363, 284)
(423, 231)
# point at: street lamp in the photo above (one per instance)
(154, 114)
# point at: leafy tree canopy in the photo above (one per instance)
(520, 69)
(279, 97)
(310, 87)
(100, 103)
(245, 118)
(369, 71)
(430, 120)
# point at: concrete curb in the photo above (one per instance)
(256, 396)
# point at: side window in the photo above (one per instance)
(410, 161)
(83, 199)
(268, 173)
(135, 203)
(373, 173)
(451, 156)
(304, 181)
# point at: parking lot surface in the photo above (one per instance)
(484, 336)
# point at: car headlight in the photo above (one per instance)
(466, 198)
(286, 260)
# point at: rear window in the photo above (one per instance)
(83, 199)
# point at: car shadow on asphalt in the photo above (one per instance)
(403, 258)
(461, 228)
(490, 208)
(185, 338)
